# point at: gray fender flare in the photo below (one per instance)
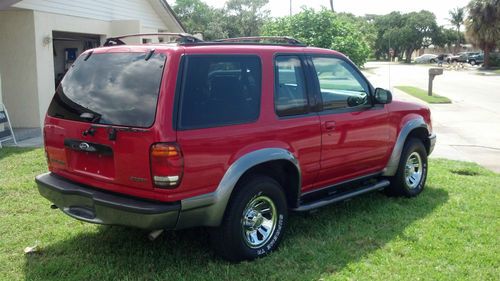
(408, 127)
(208, 209)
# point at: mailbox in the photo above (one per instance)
(435, 71)
(432, 73)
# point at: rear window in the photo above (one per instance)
(219, 90)
(111, 88)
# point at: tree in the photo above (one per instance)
(245, 17)
(405, 33)
(447, 37)
(321, 29)
(388, 35)
(331, 6)
(198, 17)
(456, 19)
(418, 31)
(483, 26)
(363, 24)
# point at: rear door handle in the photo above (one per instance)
(329, 125)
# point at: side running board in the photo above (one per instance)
(342, 196)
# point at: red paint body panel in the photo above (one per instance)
(355, 144)
(360, 143)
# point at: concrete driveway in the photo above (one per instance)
(469, 128)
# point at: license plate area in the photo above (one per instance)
(90, 158)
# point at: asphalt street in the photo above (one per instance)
(469, 128)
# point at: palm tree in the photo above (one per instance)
(456, 19)
(483, 26)
(331, 5)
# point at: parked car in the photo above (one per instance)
(231, 135)
(461, 57)
(476, 59)
(426, 58)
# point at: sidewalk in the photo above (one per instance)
(26, 137)
(473, 140)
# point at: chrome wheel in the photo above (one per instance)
(259, 221)
(413, 170)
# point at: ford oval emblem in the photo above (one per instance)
(84, 146)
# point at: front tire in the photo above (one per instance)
(411, 174)
(254, 221)
(472, 62)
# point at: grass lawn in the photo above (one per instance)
(450, 232)
(422, 94)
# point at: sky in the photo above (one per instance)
(361, 7)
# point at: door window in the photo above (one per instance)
(290, 92)
(341, 86)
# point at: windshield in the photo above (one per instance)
(111, 88)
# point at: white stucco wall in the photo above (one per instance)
(140, 10)
(18, 67)
(0, 84)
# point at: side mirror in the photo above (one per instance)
(353, 101)
(382, 96)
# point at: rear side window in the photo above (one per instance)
(290, 96)
(111, 88)
(219, 90)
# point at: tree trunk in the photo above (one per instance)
(331, 6)
(408, 55)
(486, 57)
(457, 47)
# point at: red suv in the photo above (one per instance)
(231, 135)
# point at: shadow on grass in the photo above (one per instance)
(315, 245)
(7, 151)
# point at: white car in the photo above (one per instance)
(426, 58)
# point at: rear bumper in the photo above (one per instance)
(96, 206)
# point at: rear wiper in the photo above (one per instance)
(112, 131)
(149, 55)
(88, 55)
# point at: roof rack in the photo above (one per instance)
(182, 38)
(271, 40)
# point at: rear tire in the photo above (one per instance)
(411, 174)
(254, 221)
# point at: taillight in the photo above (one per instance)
(167, 165)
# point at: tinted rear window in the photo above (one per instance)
(220, 90)
(111, 88)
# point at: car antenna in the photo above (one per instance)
(390, 61)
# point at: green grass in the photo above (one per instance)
(422, 94)
(449, 232)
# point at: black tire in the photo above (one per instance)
(402, 184)
(432, 61)
(230, 241)
(472, 62)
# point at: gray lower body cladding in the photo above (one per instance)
(101, 207)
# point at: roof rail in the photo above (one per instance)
(279, 40)
(182, 38)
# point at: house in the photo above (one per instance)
(39, 40)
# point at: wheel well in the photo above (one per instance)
(423, 135)
(283, 171)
